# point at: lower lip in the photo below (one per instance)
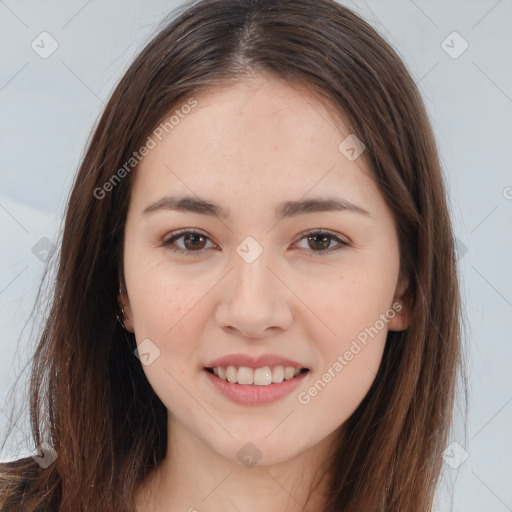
(255, 395)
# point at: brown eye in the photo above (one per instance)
(193, 242)
(319, 242)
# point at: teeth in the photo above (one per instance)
(258, 377)
(245, 375)
(262, 376)
(289, 373)
(231, 374)
(277, 374)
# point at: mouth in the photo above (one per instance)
(256, 386)
(252, 377)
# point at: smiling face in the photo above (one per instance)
(249, 279)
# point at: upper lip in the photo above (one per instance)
(254, 362)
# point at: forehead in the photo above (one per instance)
(256, 136)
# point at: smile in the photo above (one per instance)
(252, 393)
(264, 376)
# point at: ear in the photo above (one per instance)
(127, 318)
(400, 306)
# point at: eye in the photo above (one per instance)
(323, 239)
(194, 242)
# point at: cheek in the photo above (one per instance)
(354, 307)
(349, 300)
(168, 316)
(162, 298)
(350, 349)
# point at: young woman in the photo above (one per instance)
(256, 305)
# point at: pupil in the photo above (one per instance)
(323, 237)
(192, 237)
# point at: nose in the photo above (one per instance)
(255, 301)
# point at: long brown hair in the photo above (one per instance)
(89, 397)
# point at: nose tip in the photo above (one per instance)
(254, 302)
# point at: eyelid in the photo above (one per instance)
(320, 231)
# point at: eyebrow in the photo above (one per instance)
(191, 204)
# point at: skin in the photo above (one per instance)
(249, 146)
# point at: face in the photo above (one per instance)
(248, 286)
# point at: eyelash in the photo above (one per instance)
(167, 243)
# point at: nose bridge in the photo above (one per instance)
(251, 269)
(256, 299)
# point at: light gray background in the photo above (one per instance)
(48, 107)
